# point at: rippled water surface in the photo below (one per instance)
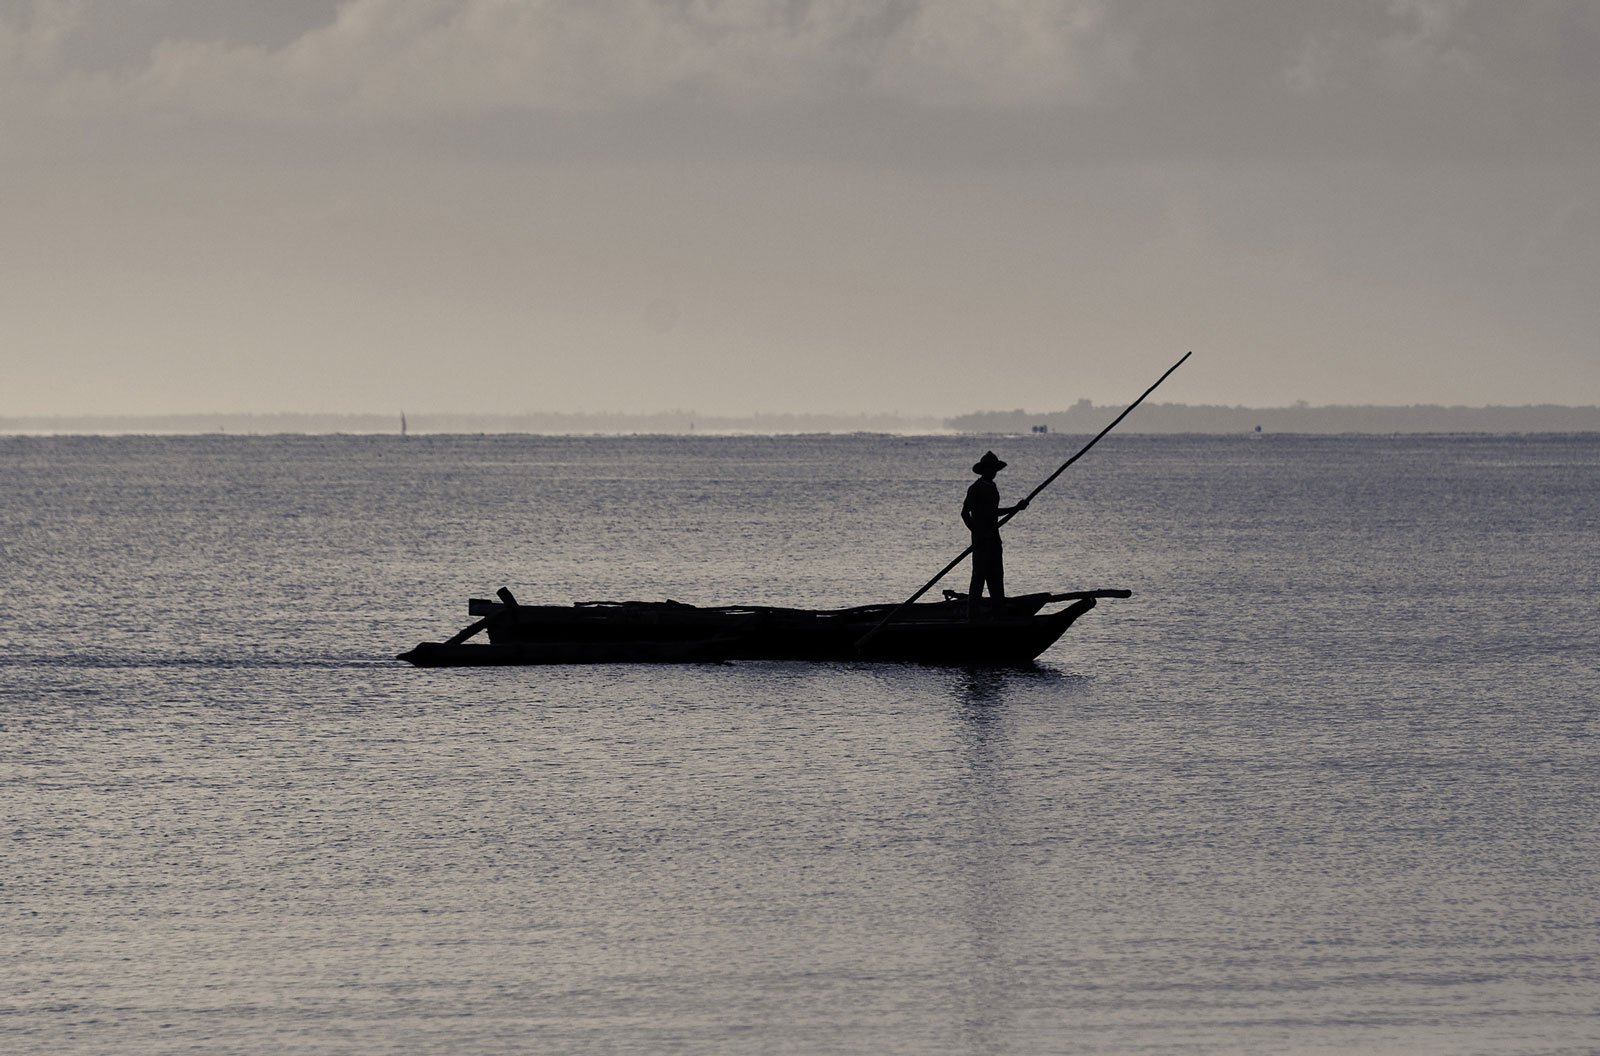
(1326, 783)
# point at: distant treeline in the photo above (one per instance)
(1084, 417)
(1079, 419)
(669, 422)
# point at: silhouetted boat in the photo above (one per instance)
(672, 632)
(1013, 632)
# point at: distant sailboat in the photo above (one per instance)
(402, 425)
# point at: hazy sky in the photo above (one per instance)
(778, 205)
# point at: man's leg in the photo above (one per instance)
(985, 569)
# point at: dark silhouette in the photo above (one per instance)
(982, 512)
(866, 639)
(670, 632)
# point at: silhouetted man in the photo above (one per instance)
(982, 513)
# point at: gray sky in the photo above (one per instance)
(928, 206)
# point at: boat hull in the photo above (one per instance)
(530, 654)
(667, 632)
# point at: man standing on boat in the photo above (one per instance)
(982, 513)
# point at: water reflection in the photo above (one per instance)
(992, 708)
(980, 687)
(983, 734)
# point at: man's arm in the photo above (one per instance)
(1012, 509)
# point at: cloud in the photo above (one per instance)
(1417, 46)
(1430, 51)
(33, 45)
(1021, 53)
(400, 58)
(1032, 78)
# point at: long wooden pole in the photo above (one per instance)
(865, 638)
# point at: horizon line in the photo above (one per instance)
(1080, 405)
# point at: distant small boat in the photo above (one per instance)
(672, 632)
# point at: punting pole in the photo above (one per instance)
(865, 638)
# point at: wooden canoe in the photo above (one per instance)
(672, 632)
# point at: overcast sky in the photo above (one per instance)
(928, 206)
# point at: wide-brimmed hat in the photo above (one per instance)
(988, 464)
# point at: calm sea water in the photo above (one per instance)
(1326, 783)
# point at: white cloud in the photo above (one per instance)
(1316, 65)
(408, 57)
(1430, 49)
(1042, 78)
(1418, 44)
(30, 47)
(1020, 52)
(1434, 18)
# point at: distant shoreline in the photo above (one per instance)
(1083, 418)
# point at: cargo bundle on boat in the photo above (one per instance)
(1013, 632)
